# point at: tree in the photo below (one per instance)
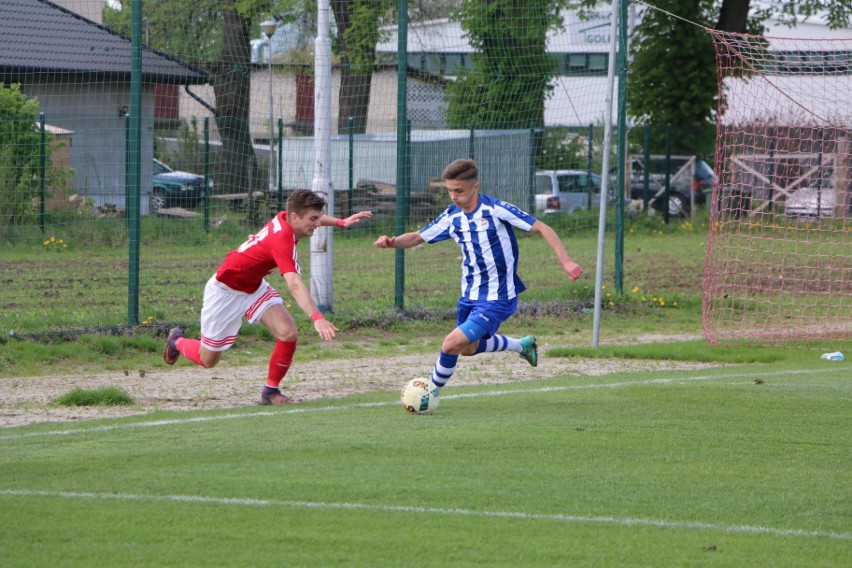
(511, 73)
(20, 153)
(671, 78)
(358, 23)
(190, 32)
(216, 36)
(213, 35)
(231, 74)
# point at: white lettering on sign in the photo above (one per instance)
(595, 31)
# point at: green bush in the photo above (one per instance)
(20, 156)
(107, 396)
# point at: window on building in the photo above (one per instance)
(577, 64)
(437, 63)
(598, 63)
(821, 62)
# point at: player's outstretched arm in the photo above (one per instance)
(571, 268)
(404, 241)
(302, 296)
(354, 219)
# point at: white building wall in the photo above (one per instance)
(89, 9)
(575, 100)
(426, 103)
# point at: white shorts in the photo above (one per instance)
(224, 309)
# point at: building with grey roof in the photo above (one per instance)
(79, 71)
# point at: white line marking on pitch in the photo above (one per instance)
(306, 410)
(627, 521)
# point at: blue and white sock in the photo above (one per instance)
(445, 366)
(499, 343)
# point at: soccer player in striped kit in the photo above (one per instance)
(239, 291)
(484, 229)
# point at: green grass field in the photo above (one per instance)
(51, 298)
(746, 464)
(89, 280)
(741, 465)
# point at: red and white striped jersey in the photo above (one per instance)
(273, 246)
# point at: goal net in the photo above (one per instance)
(778, 267)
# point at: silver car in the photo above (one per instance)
(565, 191)
(811, 202)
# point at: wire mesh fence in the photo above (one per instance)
(122, 189)
(227, 132)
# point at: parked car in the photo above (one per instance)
(566, 191)
(810, 202)
(686, 176)
(176, 189)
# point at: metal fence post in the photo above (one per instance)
(135, 155)
(401, 148)
(349, 195)
(42, 160)
(280, 164)
(646, 168)
(668, 172)
(591, 148)
(531, 192)
(206, 193)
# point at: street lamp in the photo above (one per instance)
(268, 28)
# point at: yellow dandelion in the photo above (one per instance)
(612, 303)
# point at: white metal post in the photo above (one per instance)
(268, 27)
(322, 242)
(596, 330)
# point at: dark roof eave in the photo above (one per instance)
(14, 74)
(84, 48)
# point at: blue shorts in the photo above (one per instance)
(487, 315)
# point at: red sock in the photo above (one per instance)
(190, 348)
(279, 363)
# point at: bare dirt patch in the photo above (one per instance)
(184, 387)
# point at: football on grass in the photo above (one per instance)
(419, 396)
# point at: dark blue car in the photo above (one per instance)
(176, 189)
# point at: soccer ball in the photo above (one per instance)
(419, 396)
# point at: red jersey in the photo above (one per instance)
(274, 245)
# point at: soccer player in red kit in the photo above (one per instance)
(239, 291)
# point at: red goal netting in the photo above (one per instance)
(778, 268)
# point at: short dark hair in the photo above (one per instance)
(302, 200)
(461, 170)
